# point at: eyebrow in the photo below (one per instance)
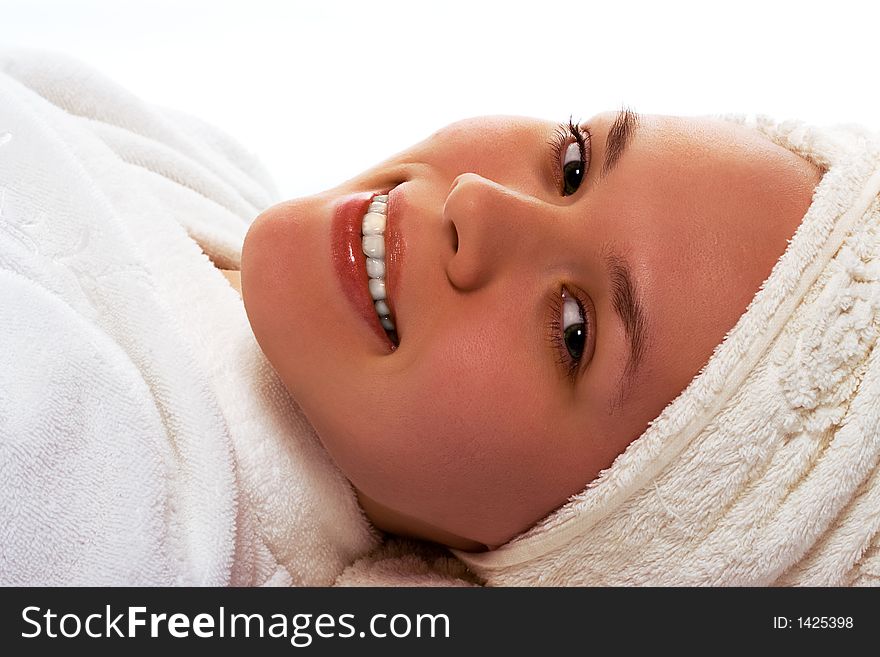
(619, 137)
(626, 302)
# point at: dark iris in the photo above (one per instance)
(572, 173)
(575, 336)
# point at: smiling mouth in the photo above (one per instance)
(373, 245)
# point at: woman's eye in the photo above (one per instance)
(574, 329)
(567, 329)
(572, 168)
(572, 156)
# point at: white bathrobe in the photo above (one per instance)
(144, 438)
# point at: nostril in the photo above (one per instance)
(454, 232)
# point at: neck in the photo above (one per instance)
(394, 522)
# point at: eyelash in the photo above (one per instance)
(562, 137)
(554, 329)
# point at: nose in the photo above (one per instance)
(497, 228)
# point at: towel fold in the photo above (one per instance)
(144, 438)
(764, 471)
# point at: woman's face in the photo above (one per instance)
(549, 301)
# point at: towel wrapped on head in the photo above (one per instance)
(763, 471)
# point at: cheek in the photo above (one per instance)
(436, 420)
(465, 444)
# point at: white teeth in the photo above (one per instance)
(373, 224)
(373, 245)
(375, 268)
(377, 288)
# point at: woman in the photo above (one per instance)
(573, 354)
(541, 295)
(553, 289)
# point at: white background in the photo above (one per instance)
(321, 90)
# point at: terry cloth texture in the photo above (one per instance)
(763, 471)
(144, 438)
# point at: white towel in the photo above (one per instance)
(144, 438)
(764, 471)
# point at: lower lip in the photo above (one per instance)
(351, 264)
